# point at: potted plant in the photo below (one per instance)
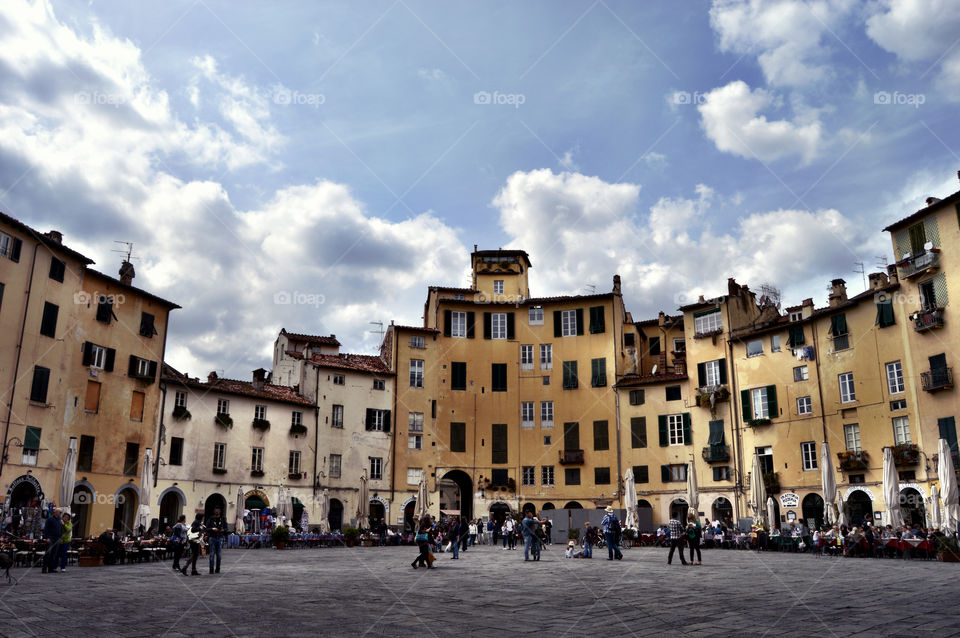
(906, 454)
(223, 420)
(181, 413)
(298, 429)
(280, 535)
(92, 555)
(853, 460)
(948, 551)
(261, 424)
(257, 473)
(573, 534)
(350, 533)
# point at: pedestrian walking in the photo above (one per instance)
(472, 533)
(178, 540)
(589, 539)
(453, 535)
(509, 540)
(548, 530)
(422, 539)
(65, 537)
(676, 539)
(694, 534)
(531, 542)
(611, 534)
(52, 530)
(216, 529)
(195, 538)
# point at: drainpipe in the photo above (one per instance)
(393, 436)
(161, 430)
(316, 422)
(737, 442)
(616, 400)
(816, 365)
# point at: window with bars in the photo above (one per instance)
(528, 475)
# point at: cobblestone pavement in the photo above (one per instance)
(489, 591)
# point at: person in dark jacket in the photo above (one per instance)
(216, 531)
(178, 540)
(423, 544)
(52, 531)
(195, 537)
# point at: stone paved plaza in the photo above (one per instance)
(488, 592)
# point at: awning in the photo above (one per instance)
(450, 512)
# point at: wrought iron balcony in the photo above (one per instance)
(906, 454)
(854, 461)
(716, 453)
(924, 320)
(935, 380)
(571, 457)
(919, 264)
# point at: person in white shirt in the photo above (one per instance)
(509, 541)
(472, 530)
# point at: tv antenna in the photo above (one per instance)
(127, 250)
(380, 332)
(592, 288)
(882, 262)
(862, 270)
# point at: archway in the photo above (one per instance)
(573, 505)
(377, 514)
(335, 517)
(529, 507)
(548, 506)
(499, 512)
(678, 510)
(297, 512)
(408, 523)
(858, 505)
(25, 494)
(126, 508)
(215, 502)
(722, 510)
(255, 502)
(463, 494)
(812, 510)
(171, 506)
(912, 507)
(80, 510)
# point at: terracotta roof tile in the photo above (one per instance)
(314, 339)
(236, 387)
(356, 362)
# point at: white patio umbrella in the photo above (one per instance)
(423, 500)
(772, 513)
(239, 526)
(693, 494)
(934, 507)
(325, 512)
(283, 506)
(948, 488)
(304, 521)
(363, 503)
(630, 500)
(829, 484)
(842, 515)
(68, 476)
(758, 491)
(891, 489)
(146, 480)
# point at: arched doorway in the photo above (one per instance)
(858, 505)
(255, 502)
(548, 506)
(678, 510)
(80, 510)
(171, 506)
(499, 512)
(722, 510)
(912, 507)
(335, 517)
(377, 513)
(25, 494)
(125, 510)
(463, 493)
(644, 514)
(408, 523)
(215, 502)
(529, 507)
(297, 512)
(573, 505)
(812, 510)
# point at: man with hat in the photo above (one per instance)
(610, 526)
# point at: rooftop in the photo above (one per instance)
(236, 387)
(311, 339)
(366, 363)
(134, 289)
(47, 239)
(923, 212)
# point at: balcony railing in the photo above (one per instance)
(571, 457)
(718, 393)
(919, 264)
(716, 453)
(924, 320)
(853, 461)
(906, 454)
(935, 380)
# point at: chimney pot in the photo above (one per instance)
(127, 272)
(212, 377)
(838, 292)
(932, 200)
(56, 236)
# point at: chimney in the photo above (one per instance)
(616, 284)
(126, 272)
(212, 377)
(838, 292)
(56, 236)
(878, 280)
(932, 200)
(892, 274)
(259, 378)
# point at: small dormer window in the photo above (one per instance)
(796, 315)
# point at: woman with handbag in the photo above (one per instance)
(195, 538)
(178, 539)
(423, 543)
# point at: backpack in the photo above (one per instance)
(692, 533)
(614, 525)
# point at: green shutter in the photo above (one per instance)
(665, 473)
(716, 432)
(579, 314)
(885, 314)
(723, 371)
(948, 431)
(598, 372)
(838, 325)
(596, 320)
(487, 327)
(745, 406)
(557, 324)
(662, 426)
(772, 406)
(796, 337)
(31, 439)
(447, 321)
(917, 238)
(687, 435)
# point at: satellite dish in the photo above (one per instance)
(654, 371)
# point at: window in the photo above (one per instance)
(136, 406)
(294, 467)
(458, 375)
(6, 246)
(180, 399)
(378, 384)
(804, 405)
(766, 458)
(638, 431)
(847, 392)
(377, 420)
(641, 474)
(721, 473)
(673, 473)
(98, 357)
(546, 414)
(597, 323)
(839, 332)
(176, 451)
(679, 345)
(851, 436)
(796, 315)
(800, 373)
(795, 337)
(38, 389)
(774, 343)
(336, 417)
(415, 421)
(105, 309)
(91, 402)
(414, 475)
(458, 437)
(675, 429)
(885, 313)
(339, 379)
(31, 446)
(376, 468)
(528, 475)
(526, 357)
(895, 378)
(808, 452)
(147, 328)
(498, 377)
(636, 397)
(629, 340)
(759, 403)
(498, 442)
(571, 476)
(901, 430)
(417, 343)
(598, 372)
(546, 440)
(707, 321)
(761, 407)
(223, 406)
(928, 295)
(131, 459)
(907, 475)
(498, 286)
(754, 347)
(414, 441)
(498, 477)
(85, 453)
(712, 373)
(899, 404)
(546, 475)
(546, 356)
(260, 412)
(857, 478)
(672, 393)
(48, 324)
(256, 459)
(568, 324)
(601, 476)
(458, 324)
(601, 435)
(654, 346)
(570, 381)
(57, 269)
(142, 368)
(335, 460)
(416, 373)
(526, 414)
(546, 379)
(296, 418)
(535, 315)
(498, 325)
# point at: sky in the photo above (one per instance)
(315, 166)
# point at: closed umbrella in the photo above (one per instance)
(363, 503)
(934, 507)
(68, 476)
(325, 512)
(829, 484)
(239, 526)
(146, 479)
(423, 500)
(948, 488)
(304, 521)
(891, 489)
(693, 495)
(758, 491)
(283, 506)
(772, 513)
(841, 508)
(630, 500)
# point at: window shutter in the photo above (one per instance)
(41, 379)
(701, 375)
(87, 353)
(579, 321)
(386, 420)
(948, 431)
(772, 401)
(48, 323)
(838, 325)
(638, 432)
(665, 473)
(597, 320)
(108, 363)
(745, 405)
(918, 237)
(662, 426)
(687, 435)
(796, 337)
(888, 318)
(471, 317)
(716, 432)
(152, 371)
(487, 327)
(31, 439)
(369, 419)
(557, 324)
(132, 368)
(15, 249)
(723, 371)
(510, 326)
(447, 319)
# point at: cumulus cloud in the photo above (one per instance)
(731, 118)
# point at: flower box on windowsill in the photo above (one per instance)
(906, 454)
(853, 461)
(223, 420)
(704, 335)
(296, 476)
(181, 413)
(298, 429)
(257, 473)
(718, 393)
(219, 470)
(755, 422)
(261, 424)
